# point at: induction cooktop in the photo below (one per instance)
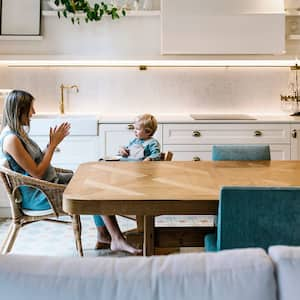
(222, 117)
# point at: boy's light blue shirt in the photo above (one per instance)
(151, 148)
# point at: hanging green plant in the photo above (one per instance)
(69, 8)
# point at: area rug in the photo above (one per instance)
(52, 239)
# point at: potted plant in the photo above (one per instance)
(92, 12)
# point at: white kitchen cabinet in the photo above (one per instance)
(20, 18)
(280, 151)
(72, 151)
(82, 145)
(222, 27)
(295, 141)
(195, 141)
(113, 136)
(204, 152)
(238, 133)
(189, 152)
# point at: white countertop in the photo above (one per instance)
(168, 118)
(186, 118)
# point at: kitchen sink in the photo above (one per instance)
(64, 116)
(80, 124)
(222, 117)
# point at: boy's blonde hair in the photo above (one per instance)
(148, 122)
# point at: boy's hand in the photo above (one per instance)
(124, 151)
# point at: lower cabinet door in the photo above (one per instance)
(295, 141)
(72, 151)
(204, 152)
(280, 152)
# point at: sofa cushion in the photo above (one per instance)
(232, 274)
(287, 266)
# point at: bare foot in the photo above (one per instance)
(122, 245)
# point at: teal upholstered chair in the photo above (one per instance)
(241, 152)
(256, 217)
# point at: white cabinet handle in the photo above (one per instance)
(196, 158)
(294, 133)
(130, 127)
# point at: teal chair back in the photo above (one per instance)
(241, 152)
(256, 217)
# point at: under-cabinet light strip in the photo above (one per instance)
(148, 63)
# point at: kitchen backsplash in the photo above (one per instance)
(127, 90)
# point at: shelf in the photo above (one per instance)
(292, 12)
(21, 37)
(130, 13)
(293, 37)
(57, 61)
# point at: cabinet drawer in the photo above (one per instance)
(73, 150)
(226, 133)
(189, 152)
(204, 152)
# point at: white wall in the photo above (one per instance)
(159, 90)
(127, 90)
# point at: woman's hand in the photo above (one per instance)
(124, 151)
(58, 133)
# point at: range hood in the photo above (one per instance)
(222, 27)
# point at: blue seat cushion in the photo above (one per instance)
(241, 152)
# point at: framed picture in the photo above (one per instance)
(20, 17)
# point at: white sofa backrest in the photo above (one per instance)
(232, 274)
(287, 265)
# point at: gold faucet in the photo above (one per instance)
(62, 101)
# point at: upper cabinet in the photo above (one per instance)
(20, 18)
(222, 27)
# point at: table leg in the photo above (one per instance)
(148, 235)
(77, 232)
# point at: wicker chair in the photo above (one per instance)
(21, 217)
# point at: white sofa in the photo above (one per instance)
(287, 269)
(232, 274)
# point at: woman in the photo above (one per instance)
(25, 156)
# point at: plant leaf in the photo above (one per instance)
(91, 12)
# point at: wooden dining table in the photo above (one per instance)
(164, 188)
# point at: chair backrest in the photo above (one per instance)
(167, 156)
(241, 152)
(10, 182)
(16, 183)
(258, 217)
